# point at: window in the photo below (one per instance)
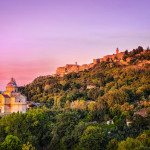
(17, 100)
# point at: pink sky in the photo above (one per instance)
(38, 36)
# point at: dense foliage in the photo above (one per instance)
(113, 83)
(69, 129)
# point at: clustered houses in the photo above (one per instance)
(11, 100)
(61, 71)
(118, 57)
(115, 57)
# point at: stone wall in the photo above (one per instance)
(96, 61)
(61, 71)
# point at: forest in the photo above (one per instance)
(89, 110)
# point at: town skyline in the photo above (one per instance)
(38, 37)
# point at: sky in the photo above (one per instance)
(37, 36)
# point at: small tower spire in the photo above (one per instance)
(117, 50)
(12, 79)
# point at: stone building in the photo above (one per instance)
(11, 100)
(118, 57)
(111, 58)
(61, 71)
(96, 61)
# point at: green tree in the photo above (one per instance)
(28, 146)
(112, 145)
(144, 139)
(11, 143)
(129, 144)
(65, 124)
(92, 139)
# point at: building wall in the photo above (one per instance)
(73, 69)
(96, 61)
(60, 70)
(76, 68)
(2, 99)
(1, 108)
(7, 108)
(90, 65)
(10, 89)
(120, 55)
(18, 108)
(83, 67)
(7, 93)
(12, 104)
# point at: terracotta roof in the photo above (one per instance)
(141, 113)
(16, 95)
(6, 96)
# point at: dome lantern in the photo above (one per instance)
(12, 86)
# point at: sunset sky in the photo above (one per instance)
(37, 36)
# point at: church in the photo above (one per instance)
(11, 101)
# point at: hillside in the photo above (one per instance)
(105, 79)
(104, 108)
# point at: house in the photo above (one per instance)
(12, 101)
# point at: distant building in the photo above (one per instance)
(128, 122)
(141, 113)
(11, 100)
(118, 57)
(61, 71)
(110, 122)
(91, 86)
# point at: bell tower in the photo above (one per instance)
(117, 51)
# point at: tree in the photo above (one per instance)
(112, 145)
(11, 143)
(92, 108)
(144, 139)
(126, 52)
(148, 49)
(33, 126)
(65, 124)
(129, 144)
(28, 146)
(140, 49)
(124, 57)
(78, 131)
(101, 108)
(139, 122)
(67, 105)
(92, 139)
(108, 59)
(115, 111)
(120, 123)
(116, 97)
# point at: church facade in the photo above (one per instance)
(11, 101)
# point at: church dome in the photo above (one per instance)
(12, 84)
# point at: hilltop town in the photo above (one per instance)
(122, 57)
(111, 97)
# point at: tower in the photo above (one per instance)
(76, 63)
(12, 86)
(117, 51)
